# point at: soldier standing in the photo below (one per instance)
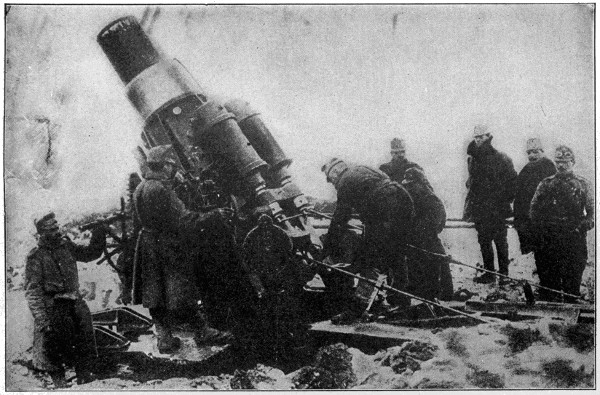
(387, 211)
(491, 187)
(428, 276)
(396, 168)
(538, 168)
(164, 277)
(63, 331)
(562, 211)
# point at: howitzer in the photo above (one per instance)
(230, 140)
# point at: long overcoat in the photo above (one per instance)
(562, 212)
(429, 276)
(527, 182)
(164, 275)
(491, 184)
(50, 274)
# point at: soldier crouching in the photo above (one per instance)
(387, 211)
(63, 331)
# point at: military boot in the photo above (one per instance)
(209, 335)
(83, 371)
(167, 343)
(58, 379)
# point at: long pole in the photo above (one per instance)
(454, 261)
(387, 287)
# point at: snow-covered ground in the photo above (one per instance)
(543, 354)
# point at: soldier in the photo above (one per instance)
(164, 277)
(538, 168)
(63, 331)
(491, 187)
(562, 211)
(387, 212)
(428, 276)
(396, 168)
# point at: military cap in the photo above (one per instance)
(534, 143)
(397, 145)
(564, 154)
(333, 168)
(479, 130)
(46, 223)
(160, 154)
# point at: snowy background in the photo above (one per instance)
(330, 80)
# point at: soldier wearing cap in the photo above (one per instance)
(562, 211)
(538, 168)
(63, 332)
(396, 168)
(164, 279)
(491, 189)
(428, 276)
(387, 211)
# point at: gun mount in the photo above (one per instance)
(229, 140)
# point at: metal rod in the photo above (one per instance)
(451, 260)
(387, 287)
(454, 261)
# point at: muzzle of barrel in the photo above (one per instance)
(164, 93)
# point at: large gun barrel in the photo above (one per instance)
(262, 140)
(164, 93)
(232, 139)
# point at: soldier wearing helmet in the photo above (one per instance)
(63, 332)
(163, 278)
(387, 212)
(396, 168)
(562, 212)
(491, 188)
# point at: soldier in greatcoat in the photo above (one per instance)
(538, 168)
(562, 212)
(491, 190)
(63, 332)
(429, 276)
(164, 278)
(387, 211)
